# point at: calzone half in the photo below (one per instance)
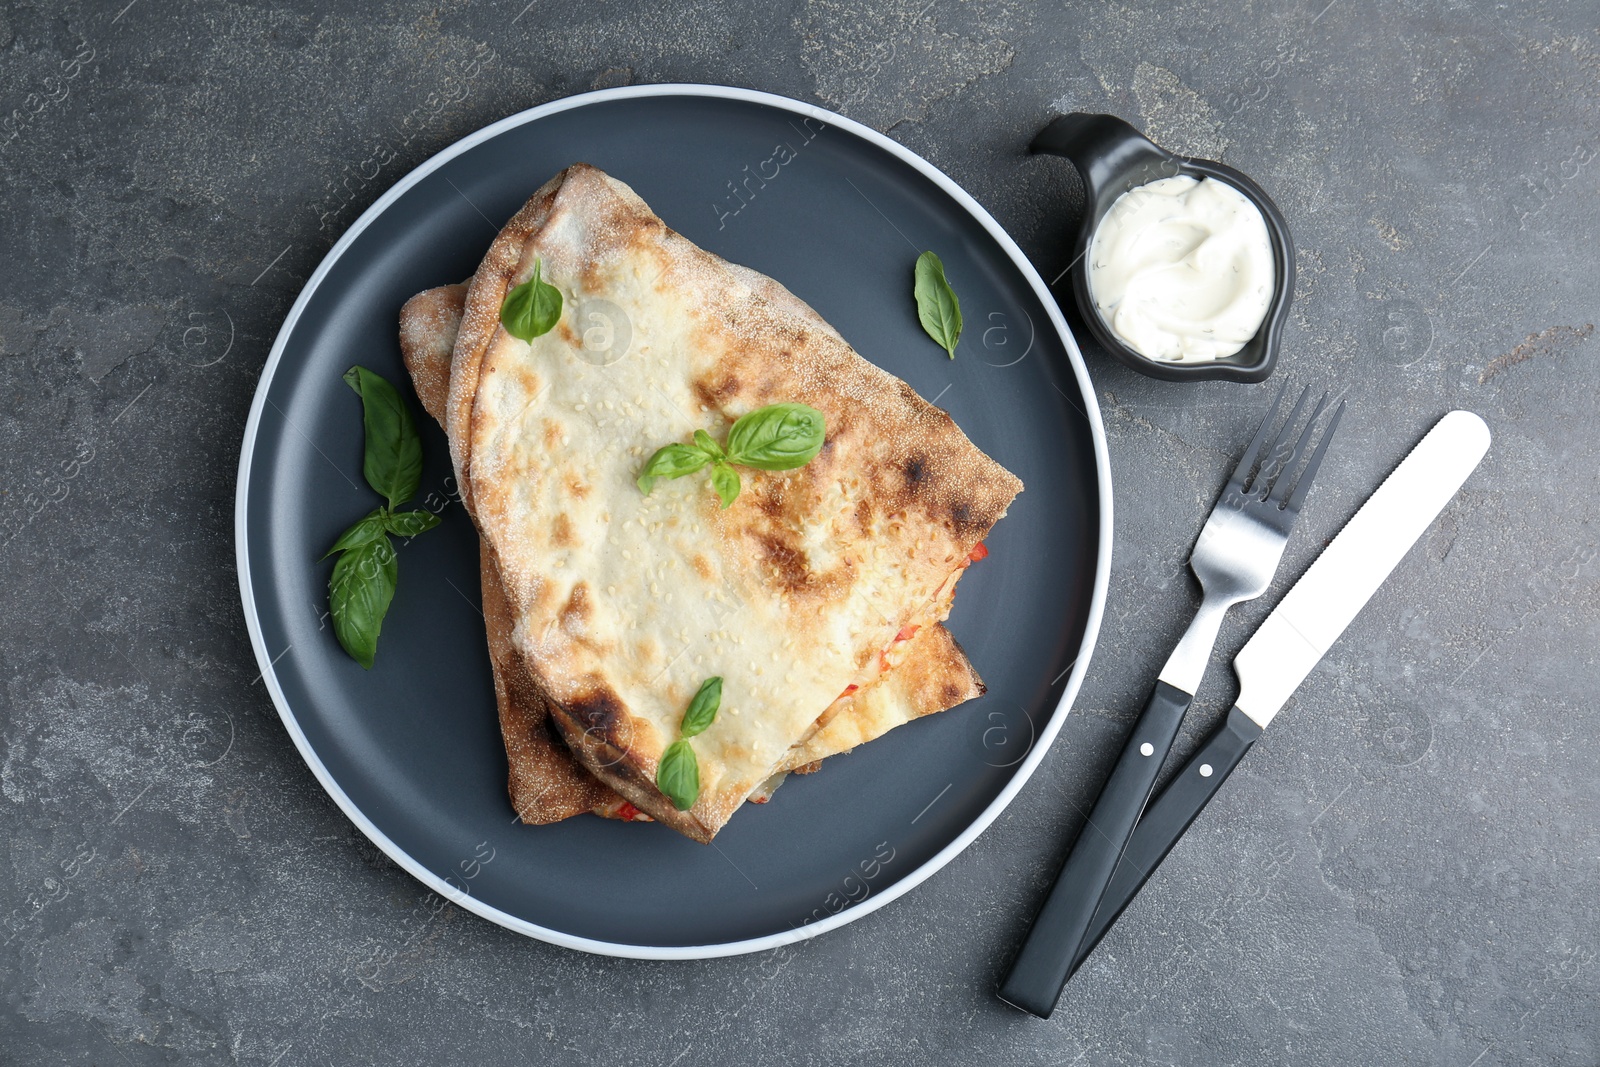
(625, 602)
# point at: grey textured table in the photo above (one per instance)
(1403, 871)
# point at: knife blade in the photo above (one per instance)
(1298, 633)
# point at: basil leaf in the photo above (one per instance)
(671, 461)
(703, 708)
(778, 437)
(678, 775)
(725, 480)
(368, 529)
(359, 594)
(532, 308)
(393, 462)
(705, 443)
(937, 305)
(410, 523)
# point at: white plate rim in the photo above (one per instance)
(934, 863)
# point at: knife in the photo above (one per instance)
(1298, 633)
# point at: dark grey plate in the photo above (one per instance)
(411, 750)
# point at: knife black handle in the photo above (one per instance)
(1169, 817)
(1042, 967)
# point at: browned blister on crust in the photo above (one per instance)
(624, 601)
(545, 784)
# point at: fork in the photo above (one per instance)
(1235, 558)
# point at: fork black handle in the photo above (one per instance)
(1046, 961)
(1169, 818)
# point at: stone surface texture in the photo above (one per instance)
(1403, 871)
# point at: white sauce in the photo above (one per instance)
(1181, 270)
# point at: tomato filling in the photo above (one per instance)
(979, 551)
(627, 813)
(906, 633)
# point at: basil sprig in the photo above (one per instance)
(778, 437)
(937, 306)
(678, 773)
(364, 576)
(532, 308)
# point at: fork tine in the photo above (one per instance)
(1242, 473)
(1271, 465)
(1303, 486)
(1280, 487)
